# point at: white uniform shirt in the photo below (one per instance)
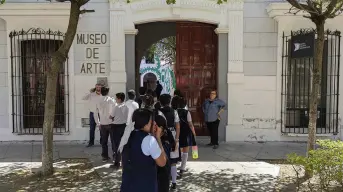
(104, 109)
(132, 106)
(93, 98)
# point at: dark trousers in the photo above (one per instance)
(118, 132)
(213, 129)
(92, 125)
(115, 132)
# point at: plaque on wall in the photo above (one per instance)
(302, 45)
(102, 80)
(85, 122)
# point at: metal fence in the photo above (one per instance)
(296, 85)
(31, 57)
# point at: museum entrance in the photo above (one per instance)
(183, 56)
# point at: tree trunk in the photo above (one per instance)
(316, 84)
(58, 59)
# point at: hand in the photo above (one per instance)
(158, 132)
(99, 127)
(92, 90)
(218, 114)
(194, 133)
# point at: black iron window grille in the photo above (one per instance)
(31, 56)
(296, 85)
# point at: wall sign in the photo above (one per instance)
(92, 54)
(102, 80)
(302, 45)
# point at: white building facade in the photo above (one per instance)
(250, 62)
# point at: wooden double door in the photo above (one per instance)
(196, 67)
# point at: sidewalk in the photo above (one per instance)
(235, 166)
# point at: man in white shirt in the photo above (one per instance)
(93, 97)
(119, 116)
(131, 104)
(104, 108)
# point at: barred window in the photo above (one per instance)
(297, 84)
(31, 57)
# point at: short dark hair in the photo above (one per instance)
(104, 91)
(141, 117)
(160, 121)
(177, 92)
(158, 82)
(120, 96)
(165, 100)
(181, 103)
(131, 94)
(142, 90)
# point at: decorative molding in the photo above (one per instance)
(154, 4)
(235, 5)
(131, 31)
(277, 10)
(221, 30)
(235, 41)
(35, 9)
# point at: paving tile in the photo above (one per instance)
(18, 152)
(37, 153)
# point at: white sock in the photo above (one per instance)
(173, 171)
(184, 158)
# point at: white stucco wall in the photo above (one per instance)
(253, 80)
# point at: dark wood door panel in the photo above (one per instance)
(196, 66)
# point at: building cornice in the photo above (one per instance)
(34, 9)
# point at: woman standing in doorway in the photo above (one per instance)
(212, 109)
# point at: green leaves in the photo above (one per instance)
(325, 162)
(2, 1)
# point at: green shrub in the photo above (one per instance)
(326, 162)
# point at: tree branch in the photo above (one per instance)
(86, 11)
(302, 7)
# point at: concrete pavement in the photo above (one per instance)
(235, 166)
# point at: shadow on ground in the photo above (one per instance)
(207, 181)
(79, 176)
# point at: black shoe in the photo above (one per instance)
(180, 174)
(115, 166)
(105, 159)
(215, 146)
(173, 186)
(210, 144)
(90, 145)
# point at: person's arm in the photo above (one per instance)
(152, 146)
(221, 106)
(190, 123)
(96, 115)
(87, 96)
(113, 111)
(177, 128)
(162, 159)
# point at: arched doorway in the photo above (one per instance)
(149, 81)
(196, 60)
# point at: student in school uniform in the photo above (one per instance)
(187, 131)
(163, 173)
(119, 115)
(173, 124)
(142, 153)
